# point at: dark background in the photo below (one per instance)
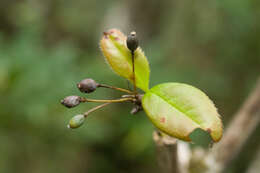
(47, 46)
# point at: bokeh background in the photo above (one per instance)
(47, 46)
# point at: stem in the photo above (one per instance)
(106, 101)
(133, 63)
(167, 156)
(95, 108)
(115, 88)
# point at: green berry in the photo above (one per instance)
(76, 121)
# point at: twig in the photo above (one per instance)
(133, 63)
(166, 153)
(240, 128)
(115, 88)
(95, 108)
(106, 101)
(254, 167)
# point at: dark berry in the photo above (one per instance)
(132, 41)
(71, 101)
(87, 85)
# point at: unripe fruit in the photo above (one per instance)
(87, 85)
(71, 101)
(132, 42)
(76, 121)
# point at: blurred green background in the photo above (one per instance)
(47, 46)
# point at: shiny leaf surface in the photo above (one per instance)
(178, 109)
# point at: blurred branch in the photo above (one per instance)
(240, 128)
(167, 157)
(254, 167)
(184, 156)
(236, 135)
(117, 15)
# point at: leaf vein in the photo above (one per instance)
(168, 100)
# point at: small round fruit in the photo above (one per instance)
(132, 41)
(87, 85)
(76, 121)
(71, 101)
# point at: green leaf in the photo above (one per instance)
(113, 46)
(178, 109)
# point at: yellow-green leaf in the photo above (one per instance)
(178, 109)
(113, 46)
